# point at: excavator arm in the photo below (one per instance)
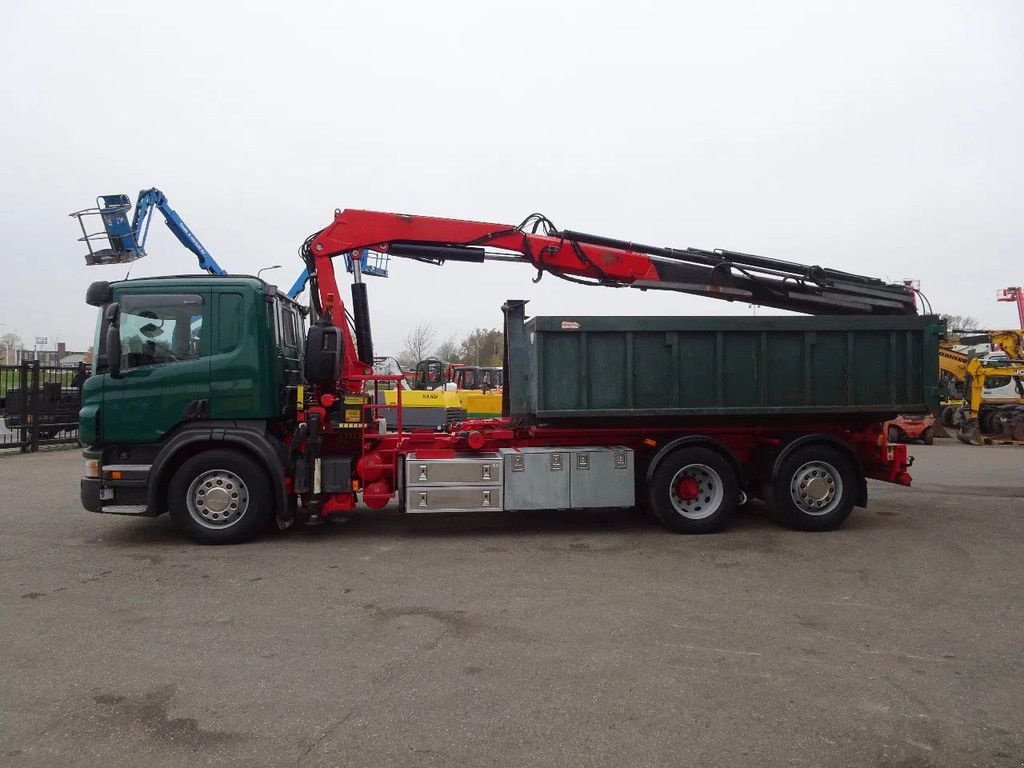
(580, 258)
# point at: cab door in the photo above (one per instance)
(291, 337)
(165, 365)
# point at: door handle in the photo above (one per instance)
(197, 409)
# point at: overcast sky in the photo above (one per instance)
(880, 138)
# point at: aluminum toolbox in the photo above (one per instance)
(601, 477)
(463, 469)
(536, 478)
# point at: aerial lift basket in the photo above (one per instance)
(122, 240)
(371, 263)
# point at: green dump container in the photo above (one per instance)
(563, 368)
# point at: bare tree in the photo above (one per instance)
(418, 343)
(956, 323)
(9, 344)
(448, 350)
(484, 346)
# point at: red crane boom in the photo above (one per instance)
(581, 258)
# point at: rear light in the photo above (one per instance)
(92, 467)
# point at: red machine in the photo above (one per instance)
(813, 471)
(1015, 295)
(904, 429)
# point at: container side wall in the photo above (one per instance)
(606, 352)
(785, 369)
(560, 380)
(742, 370)
(697, 370)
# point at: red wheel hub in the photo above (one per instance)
(687, 488)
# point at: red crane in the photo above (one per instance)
(580, 258)
(1015, 295)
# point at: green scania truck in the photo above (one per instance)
(212, 402)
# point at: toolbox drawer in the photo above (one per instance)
(462, 469)
(448, 498)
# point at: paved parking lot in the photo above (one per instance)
(552, 639)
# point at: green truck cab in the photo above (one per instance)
(186, 367)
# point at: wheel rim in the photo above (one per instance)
(816, 488)
(217, 499)
(696, 491)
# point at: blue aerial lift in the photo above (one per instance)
(127, 237)
(126, 233)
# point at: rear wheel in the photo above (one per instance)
(220, 497)
(815, 489)
(693, 490)
(928, 436)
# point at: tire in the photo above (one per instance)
(895, 435)
(947, 416)
(928, 436)
(989, 422)
(220, 497)
(816, 488)
(693, 490)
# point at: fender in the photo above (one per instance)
(702, 441)
(250, 436)
(835, 442)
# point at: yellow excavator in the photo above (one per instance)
(986, 393)
(953, 362)
(984, 418)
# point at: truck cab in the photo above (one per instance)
(183, 363)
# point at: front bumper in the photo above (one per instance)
(118, 485)
(90, 494)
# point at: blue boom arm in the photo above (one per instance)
(154, 198)
(299, 285)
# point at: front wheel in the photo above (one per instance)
(928, 436)
(220, 497)
(816, 488)
(693, 490)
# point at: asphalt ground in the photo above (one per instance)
(547, 639)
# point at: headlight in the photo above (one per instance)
(92, 467)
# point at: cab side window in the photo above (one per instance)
(290, 329)
(157, 329)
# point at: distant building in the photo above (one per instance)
(53, 357)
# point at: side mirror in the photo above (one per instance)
(98, 294)
(112, 317)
